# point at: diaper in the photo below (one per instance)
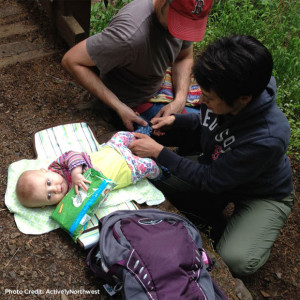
(75, 210)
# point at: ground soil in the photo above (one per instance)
(39, 94)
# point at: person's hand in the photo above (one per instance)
(159, 125)
(78, 180)
(129, 117)
(174, 107)
(145, 146)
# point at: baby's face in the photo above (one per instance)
(50, 188)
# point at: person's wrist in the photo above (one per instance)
(76, 170)
(121, 108)
(157, 150)
(180, 101)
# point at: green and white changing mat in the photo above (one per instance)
(50, 144)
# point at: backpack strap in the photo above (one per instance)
(94, 261)
(218, 292)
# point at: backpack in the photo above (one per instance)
(152, 254)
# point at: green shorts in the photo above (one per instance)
(251, 232)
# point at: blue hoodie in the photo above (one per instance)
(243, 155)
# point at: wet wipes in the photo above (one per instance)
(74, 211)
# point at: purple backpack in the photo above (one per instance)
(152, 254)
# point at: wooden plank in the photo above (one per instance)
(48, 7)
(25, 56)
(69, 29)
(10, 11)
(65, 7)
(80, 10)
(15, 48)
(82, 13)
(19, 28)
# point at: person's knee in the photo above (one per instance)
(239, 261)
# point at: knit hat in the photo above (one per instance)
(187, 19)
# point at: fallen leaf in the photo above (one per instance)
(265, 294)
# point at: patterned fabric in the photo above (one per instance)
(67, 162)
(143, 129)
(52, 142)
(148, 131)
(140, 167)
(166, 95)
(48, 145)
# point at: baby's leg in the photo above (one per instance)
(140, 167)
(145, 168)
(122, 138)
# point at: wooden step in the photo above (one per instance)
(10, 10)
(15, 48)
(12, 13)
(19, 52)
(15, 29)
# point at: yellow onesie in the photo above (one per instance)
(112, 165)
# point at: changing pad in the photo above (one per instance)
(49, 144)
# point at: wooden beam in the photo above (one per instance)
(48, 7)
(69, 29)
(71, 17)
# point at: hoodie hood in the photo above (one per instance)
(262, 102)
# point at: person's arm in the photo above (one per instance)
(78, 63)
(73, 163)
(144, 146)
(181, 79)
(229, 171)
(69, 160)
(190, 121)
(78, 180)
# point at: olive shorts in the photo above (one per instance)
(251, 232)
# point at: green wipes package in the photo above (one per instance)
(74, 211)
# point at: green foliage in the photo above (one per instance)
(101, 15)
(276, 23)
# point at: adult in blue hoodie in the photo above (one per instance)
(240, 138)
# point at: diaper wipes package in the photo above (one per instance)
(74, 211)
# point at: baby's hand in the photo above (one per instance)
(79, 180)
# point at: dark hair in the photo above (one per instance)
(234, 66)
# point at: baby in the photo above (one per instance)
(38, 188)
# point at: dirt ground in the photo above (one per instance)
(38, 94)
